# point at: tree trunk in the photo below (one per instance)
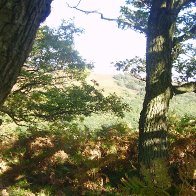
(19, 21)
(153, 117)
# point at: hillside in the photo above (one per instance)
(133, 90)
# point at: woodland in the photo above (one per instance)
(64, 132)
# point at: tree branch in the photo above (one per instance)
(184, 88)
(25, 87)
(92, 12)
(28, 86)
(125, 23)
(11, 114)
(135, 27)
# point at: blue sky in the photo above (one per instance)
(102, 42)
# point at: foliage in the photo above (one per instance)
(182, 158)
(185, 64)
(133, 93)
(135, 16)
(135, 67)
(52, 84)
(53, 49)
(69, 159)
(56, 103)
(183, 126)
(136, 186)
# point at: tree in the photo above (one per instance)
(51, 86)
(167, 24)
(19, 21)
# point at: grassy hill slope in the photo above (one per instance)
(133, 90)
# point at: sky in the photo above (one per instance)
(102, 41)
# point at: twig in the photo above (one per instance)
(91, 12)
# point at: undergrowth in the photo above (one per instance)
(102, 162)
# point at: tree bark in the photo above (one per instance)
(19, 21)
(153, 117)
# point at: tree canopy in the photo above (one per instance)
(52, 87)
(135, 16)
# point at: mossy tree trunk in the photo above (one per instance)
(153, 118)
(19, 21)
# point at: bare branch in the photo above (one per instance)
(92, 12)
(185, 88)
(78, 3)
(126, 23)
